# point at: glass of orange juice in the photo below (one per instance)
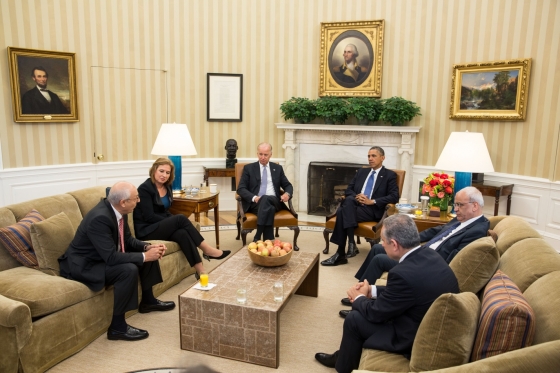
(203, 279)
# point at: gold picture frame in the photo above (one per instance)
(351, 58)
(495, 90)
(43, 85)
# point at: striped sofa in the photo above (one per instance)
(510, 298)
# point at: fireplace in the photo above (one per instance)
(326, 183)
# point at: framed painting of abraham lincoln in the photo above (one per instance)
(351, 58)
(43, 85)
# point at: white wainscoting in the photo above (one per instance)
(535, 200)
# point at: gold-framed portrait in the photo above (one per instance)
(43, 85)
(495, 90)
(351, 58)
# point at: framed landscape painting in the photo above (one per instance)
(497, 90)
(351, 58)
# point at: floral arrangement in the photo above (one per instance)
(439, 187)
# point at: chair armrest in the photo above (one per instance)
(292, 208)
(389, 210)
(240, 207)
(15, 320)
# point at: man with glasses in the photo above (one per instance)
(103, 252)
(447, 240)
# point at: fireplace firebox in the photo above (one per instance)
(326, 183)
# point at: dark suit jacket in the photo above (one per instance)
(385, 190)
(150, 210)
(412, 286)
(33, 102)
(453, 244)
(250, 182)
(95, 246)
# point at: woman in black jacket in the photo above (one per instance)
(153, 221)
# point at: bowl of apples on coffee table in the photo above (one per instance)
(270, 253)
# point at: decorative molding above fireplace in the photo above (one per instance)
(304, 143)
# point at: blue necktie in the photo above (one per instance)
(369, 185)
(264, 181)
(443, 233)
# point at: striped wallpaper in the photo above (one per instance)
(143, 62)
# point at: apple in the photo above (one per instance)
(287, 246)
(283, 252)
(275, 253)
(260, 241)
(254, 251)
(264, 252)
(268, 242)
(252, 246)
(277, 242)
(260, 247)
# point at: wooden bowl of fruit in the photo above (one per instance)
(270, 253)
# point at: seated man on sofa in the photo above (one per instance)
(447, 240)
(103, 252)
(387, 318)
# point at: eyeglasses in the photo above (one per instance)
(137, 199)
(459, 204)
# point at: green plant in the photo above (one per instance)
(397, 111)
(365, 108)
(333, 108)
(298, 107)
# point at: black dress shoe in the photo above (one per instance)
(224, 254)
(327, 359)
(344, 313)
(352, 250)
(346, 302)
(335, 260)
(131, 334)
(158, 306)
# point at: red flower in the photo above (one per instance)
(446, 183)
(441, 195)
(436, 174)
(444, 176)
(448, 190)
(433, 182)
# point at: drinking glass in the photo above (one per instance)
(242, 294)
(278, 291)
(204, 279)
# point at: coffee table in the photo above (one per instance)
(212, 322)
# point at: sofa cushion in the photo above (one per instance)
(507, 321)
(446, 334)
(543, 297)
(16, 239)
(475, 264)
(50, 239)
(42, 293)
(511, 230)
(383, 361)
(528, 260)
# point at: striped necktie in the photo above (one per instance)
(121, 233)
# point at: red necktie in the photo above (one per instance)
(121, 233)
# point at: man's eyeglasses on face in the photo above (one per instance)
(137, 199)
(459, 204)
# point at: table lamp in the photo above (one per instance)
(464, 153)
(174, 139)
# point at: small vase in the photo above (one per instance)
(443, 204)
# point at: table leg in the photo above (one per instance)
(497, 203)
(310, 286)
(197, 217)
(217, 226)
(508, 204)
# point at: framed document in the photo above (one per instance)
(224, 97)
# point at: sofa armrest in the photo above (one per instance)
(15, 330)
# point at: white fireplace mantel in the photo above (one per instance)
(341, 143)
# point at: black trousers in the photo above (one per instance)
(265, 209)
(348, 215)
(178, 228)
(124, 278)
(355, 332)
(375, 264)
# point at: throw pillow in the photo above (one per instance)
(17, 239)
(507, 321)
(446, 334)
(50, 239)
(475, 264)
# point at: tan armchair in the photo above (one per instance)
(246, 222)
(367, 229)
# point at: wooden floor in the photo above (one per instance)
(228, 218)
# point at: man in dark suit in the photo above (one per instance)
(366, 197)
(39, 100)
(387, 317)
(447, 240)
(260, 192)
(103, 252)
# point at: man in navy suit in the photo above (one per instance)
(40, 100)
(99, 255)
(366, 197)
(387, 318)
(260, 192)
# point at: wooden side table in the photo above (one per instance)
(201, 202)
(429, 222)
(220, 172)
(496, 190)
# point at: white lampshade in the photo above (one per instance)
(174, 139)
(465, 152)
